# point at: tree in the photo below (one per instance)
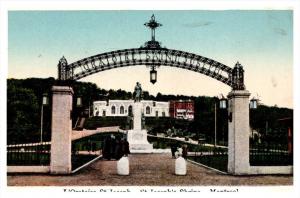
(24, 98)
(22, 114)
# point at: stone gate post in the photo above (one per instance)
(238, 132)
(61, 130)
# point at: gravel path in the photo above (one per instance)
(145, 170)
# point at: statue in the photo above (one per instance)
(137, 92)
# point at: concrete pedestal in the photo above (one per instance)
(137, 115)
(138, 140)
(137, 137)
(238, 133)
(61, 130)
(123, 166)
(180, 166)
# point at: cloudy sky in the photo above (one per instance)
(262, 41)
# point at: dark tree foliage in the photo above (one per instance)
(22, 114)
(266, 120)
(24, 99)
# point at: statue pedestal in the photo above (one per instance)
(137, 137)
(138, 141)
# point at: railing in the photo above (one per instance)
(214, 157)
(88, 148)
(85, 150)
(270, 154)
(29, 154)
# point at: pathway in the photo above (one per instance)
(145, 170)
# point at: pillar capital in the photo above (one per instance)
(239, 94)
(62, 90)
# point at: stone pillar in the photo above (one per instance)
(137, 137)
(61, 130)
(137, 115)
(238, 132)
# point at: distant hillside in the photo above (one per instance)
(24, 98)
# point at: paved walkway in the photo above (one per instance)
(145, 170)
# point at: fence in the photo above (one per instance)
(84, 150)
(29, 154)
(211, 156)
(215, 157)
(38, 154)
(270, 154)
(88, 148)
(263, 154)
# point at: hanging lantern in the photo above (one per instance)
(45, 99)
(223, 103)
(153, 75)
(253, 103)
(78, 101)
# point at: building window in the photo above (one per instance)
(163, 114)
(104, 113)
(113, 110)
(97, 113)
(156, 113)
(121, 110)
(130, 110)
(147, 110)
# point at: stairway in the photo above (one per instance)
(79, 124)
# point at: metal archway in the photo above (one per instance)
(153, 55)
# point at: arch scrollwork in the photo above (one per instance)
(233, 77)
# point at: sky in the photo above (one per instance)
(262, 41)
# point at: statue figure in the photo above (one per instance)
(137, 92)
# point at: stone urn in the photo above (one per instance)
(180, 166)
(123, 166)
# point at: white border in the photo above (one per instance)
(143, 5)
(147, 4)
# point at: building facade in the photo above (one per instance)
(124, 108)
(182, 109)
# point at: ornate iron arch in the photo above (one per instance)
(153, 55)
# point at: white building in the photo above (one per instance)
(123, 107)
